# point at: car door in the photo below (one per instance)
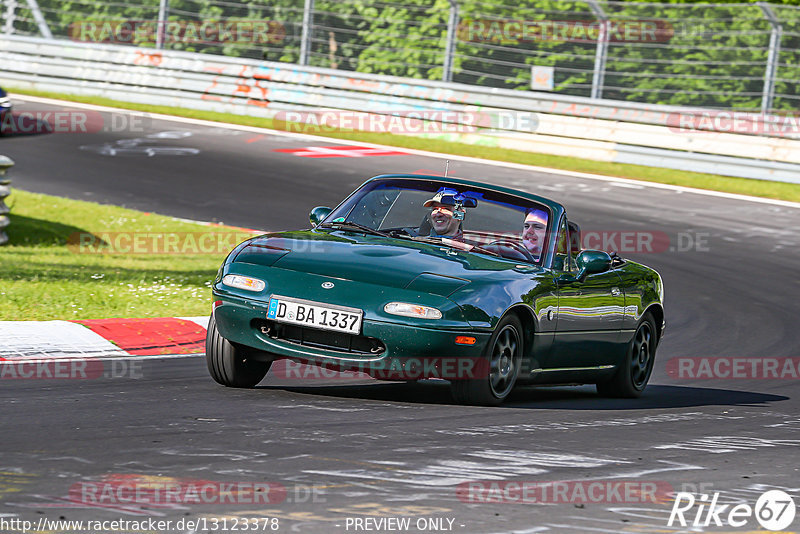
(590, 312)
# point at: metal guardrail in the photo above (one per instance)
(595, 129)
(5, 190)
(230, 68)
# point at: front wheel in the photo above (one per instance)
(231, 364)
(503, 358)
(631, 378)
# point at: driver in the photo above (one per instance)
(533, 231)
(443, 219)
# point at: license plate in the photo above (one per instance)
(315, 315)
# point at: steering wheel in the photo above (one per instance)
(516, 246)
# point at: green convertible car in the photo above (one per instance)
(415, 277)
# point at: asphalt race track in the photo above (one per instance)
(347, 450)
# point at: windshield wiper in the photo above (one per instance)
(354, 226)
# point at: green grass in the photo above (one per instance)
(45, 273)
(760, 188)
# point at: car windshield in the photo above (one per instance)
(463, 217)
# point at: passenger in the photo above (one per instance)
(533, 232)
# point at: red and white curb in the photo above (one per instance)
(79, 349)
(102, 338)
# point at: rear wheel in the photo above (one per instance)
(503, 358)
(232, 364)
(631, 378)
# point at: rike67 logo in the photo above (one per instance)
(774, 510)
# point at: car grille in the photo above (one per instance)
(322, 339)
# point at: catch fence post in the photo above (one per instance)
(161, 28)
(450, 45)
(768, 93)
(10, 17)
(308, 26)
(601, 52)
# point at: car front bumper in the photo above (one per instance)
(407, 351)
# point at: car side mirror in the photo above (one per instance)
(318, 214)
(592, 262)
(589, 262)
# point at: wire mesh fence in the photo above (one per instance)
(742, 56)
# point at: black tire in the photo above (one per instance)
(503, 356)
(632, 376)
(231, 364)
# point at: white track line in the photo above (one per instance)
(31, 340)
(131, 357)
(199, 321)
(440, 155)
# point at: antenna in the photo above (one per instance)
(446, 167)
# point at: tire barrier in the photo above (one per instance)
(5, 190)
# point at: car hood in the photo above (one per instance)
(391, 262)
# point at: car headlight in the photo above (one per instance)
(244, 282)
(412, 310)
